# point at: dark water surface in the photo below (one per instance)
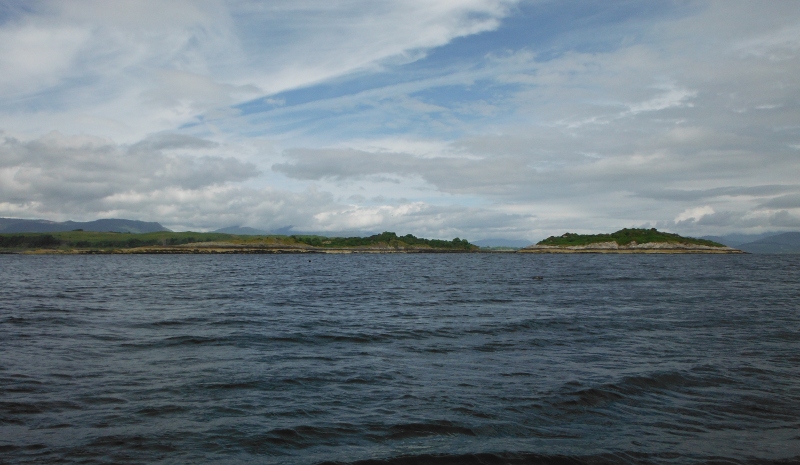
(407, 358)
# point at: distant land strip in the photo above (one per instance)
(625, 241)
(167, 242)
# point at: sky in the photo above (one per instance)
(456, 118)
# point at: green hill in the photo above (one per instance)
(386, 238)
(18, 225)
(624, 237)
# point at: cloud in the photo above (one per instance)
(728, 220)
(130, 71)
(730, 191)
(782, 202)
(671, 98)
(217, 206)
(179, 181)
(694, 214)
(784, 219)
(637, 132)
(171, 141)
(428, 220)
(362, 114)
(81, 174)
(777, 45)
(35, 57)
(449, 174)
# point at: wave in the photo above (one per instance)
(439, 428)
(298, 437)
(626, 458)
(161, 410)
(184, 340)
(20, 413)
(630, 386)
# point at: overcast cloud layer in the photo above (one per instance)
(469, 118)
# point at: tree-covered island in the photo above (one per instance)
(627, 241)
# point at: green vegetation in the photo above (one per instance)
(388, 238)
(83, 240)
(625, 237)
(104, 240)
(28, 241)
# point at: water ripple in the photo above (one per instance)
(406, 359)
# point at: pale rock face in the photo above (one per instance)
(671, 245)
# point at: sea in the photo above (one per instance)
(406, 359)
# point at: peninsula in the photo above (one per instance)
(168, 242)
(626, 240)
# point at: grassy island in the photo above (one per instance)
(194, 242)
(627, 241)
(625, 237)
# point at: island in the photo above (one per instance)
(626, 241)
(168, 242)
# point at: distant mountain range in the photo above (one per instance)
(288, 231)
(242, 231)
(736, 239)
(511, 243)
(769, 242)
(785, 243)
(16, 225)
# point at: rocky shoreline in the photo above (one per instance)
(231, 248)
(647, 248)
(536, 249)
(223, 248)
